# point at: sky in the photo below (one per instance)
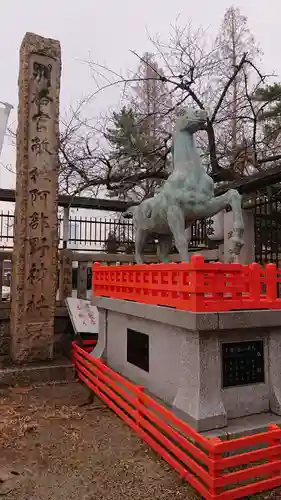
(106, 31)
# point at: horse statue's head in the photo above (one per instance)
(191, 119)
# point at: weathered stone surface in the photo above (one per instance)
(34, 283)
(63, 333)
(167, 315)
(275, 370)
(247, 255)
(4, 337)
(242, 320)
(4, 328)
(65, 279)
(198, 399)
(54, 371)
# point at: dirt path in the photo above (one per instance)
(64, 450)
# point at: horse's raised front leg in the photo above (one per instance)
(164, 247)
(176, 221)
(141, 236)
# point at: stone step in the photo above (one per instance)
(23, 375)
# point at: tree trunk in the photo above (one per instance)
(212, 148)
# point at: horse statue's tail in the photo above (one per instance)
(129, 213)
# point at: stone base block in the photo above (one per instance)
(55, 371)
(245, 426)
(186, 359)
(197, 414)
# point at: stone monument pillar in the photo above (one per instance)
(247, 255)
(35, 257)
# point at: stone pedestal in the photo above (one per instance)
(34, 283)
(247, 255)
(274, 350)
(197, 399)
(184, 355)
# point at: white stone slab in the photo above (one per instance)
(84, 316)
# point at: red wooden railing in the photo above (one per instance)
(201, 461)
(196, 286)
(89, 344)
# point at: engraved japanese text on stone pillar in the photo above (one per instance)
(36, 221)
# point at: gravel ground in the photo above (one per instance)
(54, 446)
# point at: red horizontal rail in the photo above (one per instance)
(176, 422)
(247, 441)
(206, 472)
(242, 475)
(250, 489)
(137, 414)
(102, 378)
(247, 457)
(179, 454)
(184, 473)
(195, 286)
(90, 342)
(111, 373)
(179, 438)
(161, 410)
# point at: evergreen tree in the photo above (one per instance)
(269, 113)
(135, 151)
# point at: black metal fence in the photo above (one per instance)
(6, 229)
(267, 209)
(97, 233)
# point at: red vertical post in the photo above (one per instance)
(73, 353)
(139, 403)
(214, 470)
(197, 297)
(94, 269)
(181, 297)
(73, 358)
(275, 456)
(255, 284)
(271, 282)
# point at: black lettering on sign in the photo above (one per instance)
(36, 273)
(37, 194)
(34, 174)
(41, 122)
(38, 220)
(42, 76)
(39, 146)
(35, 305)
(38, 245)
(243, 363)
(41, 84)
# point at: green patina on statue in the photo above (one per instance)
(187, 195)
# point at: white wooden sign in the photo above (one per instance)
(84, 316)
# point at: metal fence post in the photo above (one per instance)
(65, 227)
